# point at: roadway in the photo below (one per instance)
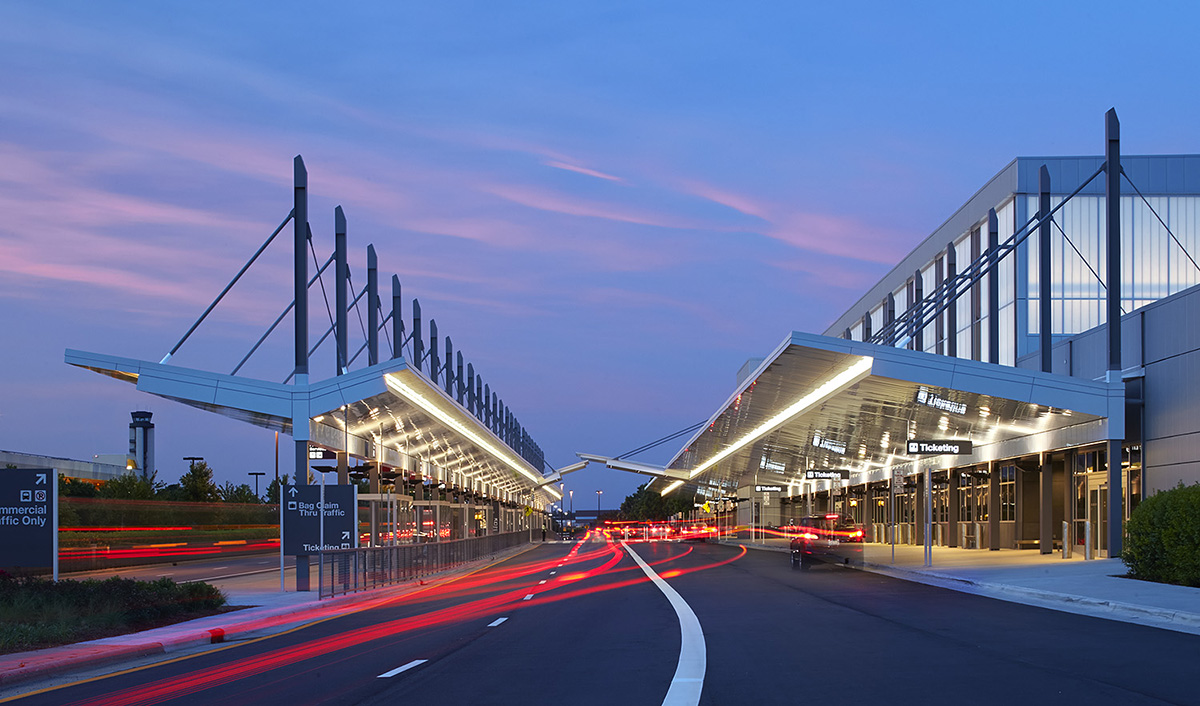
(581, 624)
(214, 569)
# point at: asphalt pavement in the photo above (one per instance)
(597, 631)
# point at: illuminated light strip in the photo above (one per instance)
(415, 397)
(847, 377)
(670, 487)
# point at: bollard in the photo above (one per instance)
(1066, 540)
(1087, 540)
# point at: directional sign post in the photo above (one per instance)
(304, 533)
(944, 447)
(29, 519)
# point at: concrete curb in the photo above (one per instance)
(214, 629)
(1166, 618)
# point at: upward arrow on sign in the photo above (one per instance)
(292, 491)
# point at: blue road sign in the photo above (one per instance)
(29, 519)
(302, 518)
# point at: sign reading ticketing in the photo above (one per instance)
(768, 488)
(948, 447)
(819, 474)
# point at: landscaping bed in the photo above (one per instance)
(36, 612)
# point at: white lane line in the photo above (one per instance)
(688, 681)
(541, 582)
(405, 668)
(527, 597)
(553, 573)
(496, 622)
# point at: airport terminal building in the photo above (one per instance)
(949, 401)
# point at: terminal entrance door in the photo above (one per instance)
(1097, 512)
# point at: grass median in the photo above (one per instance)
(37, 612)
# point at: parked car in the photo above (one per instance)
(832, 538)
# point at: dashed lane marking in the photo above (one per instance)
(496, 622)
(404, 668)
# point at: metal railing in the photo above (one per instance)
(343, 571)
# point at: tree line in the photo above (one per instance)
(646, 504)
(195, 485)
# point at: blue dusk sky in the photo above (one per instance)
(609, 206)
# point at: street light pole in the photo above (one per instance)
(257, 475)
(598, 494)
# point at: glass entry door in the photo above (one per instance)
(1097, 512)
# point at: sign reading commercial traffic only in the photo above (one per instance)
(28, 518)
(939, 448)
(302, 515)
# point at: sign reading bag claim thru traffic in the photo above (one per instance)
(302, 518)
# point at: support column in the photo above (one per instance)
(417, 341)
(343, 468)
(341, 275)
(397, 319)
(1045, 320)
(372, 307)
(459, 388)
(993, 506)
(889, 319)
(919, 511)
(952, 305)
(1068, 505)
(927, 480)
(300, 316)
(993, 288)
(435, 364)
(1046, 506)
(916, 330)
(449, 365)
(471, 395)
(1112, 198)
(953, 502)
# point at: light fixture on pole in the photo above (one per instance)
(257, 475)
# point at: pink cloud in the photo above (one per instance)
(843, 236)
(544, 200)
(582, 170)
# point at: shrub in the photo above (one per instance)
(1163, 537)
(35, 612)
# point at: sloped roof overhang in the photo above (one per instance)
(388, 413)
(828, 403)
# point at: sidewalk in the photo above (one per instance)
(1096, 588)
(266, 610)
